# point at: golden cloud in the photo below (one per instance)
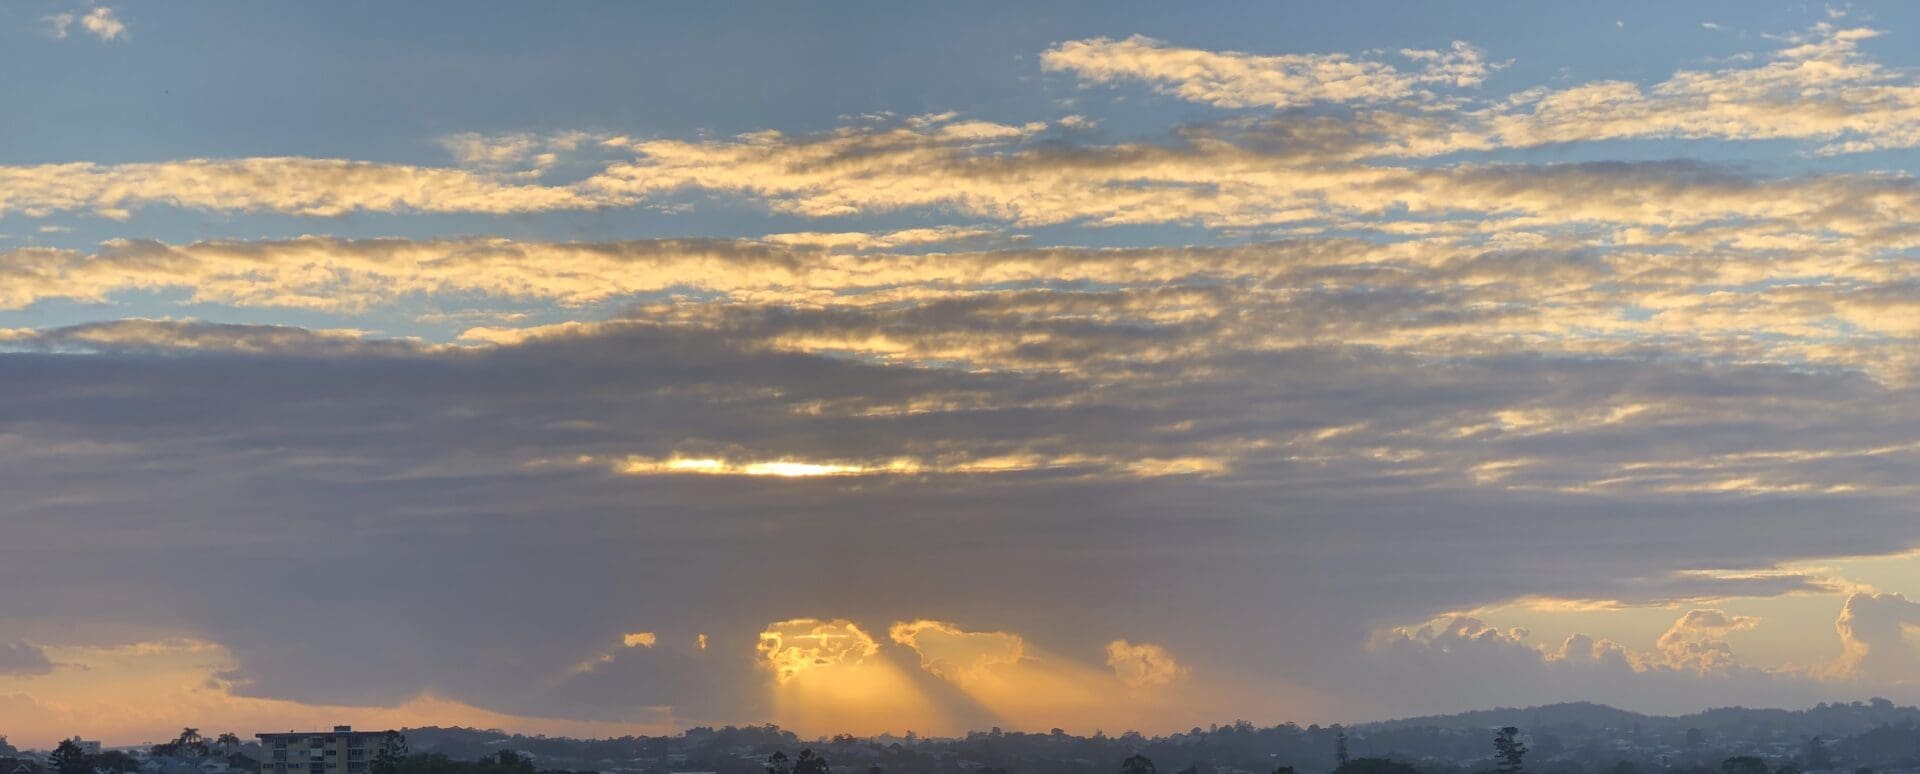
(1144, 665)
(792, 647)
(953, 653)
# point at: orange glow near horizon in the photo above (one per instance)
(826, 678)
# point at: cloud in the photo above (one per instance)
(1143, 666)
(519, 151)
(1380, 382)
(101, 22)
(1697, 641)
(1236, 80)
(127, 691)
(298, 186)
(19, 658)
(132, 336)
(954, 653)
(1875, 646)
(1695, 644)
(448, 462)
(104, 24)
(1476, 662)
(1819, 87)
(795, 646)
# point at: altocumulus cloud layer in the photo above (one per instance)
(1267, 415)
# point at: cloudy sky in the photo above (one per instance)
(607, 368)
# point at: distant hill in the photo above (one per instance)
(1828, 720)
(1579, 713)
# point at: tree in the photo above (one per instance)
(390, 756)
(1743, 764)
(6, 749)
(68, 758)
(1816, 756)
(810, 762)
(1375, 766)
(1283, 770)
(189, 743)
(1508, 752)
(1340, 746)
(1137, 764)
(227, 742)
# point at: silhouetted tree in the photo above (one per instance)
(227, 742)
(7, 749)
(68, 758)
(1509, 753)
(390, 756)
(1743, 764)
(809, 762)
(1816, 756)
(1340, 746)
(1375, 766)
(1137, 764)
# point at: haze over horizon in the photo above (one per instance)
(600, 369)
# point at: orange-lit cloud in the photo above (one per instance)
(826, 679)
(1144, 665)
(144, 691)
(792, 647)
(956, 654)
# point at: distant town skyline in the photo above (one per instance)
(604, 368)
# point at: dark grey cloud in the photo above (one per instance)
(19, 658)
(433, 501)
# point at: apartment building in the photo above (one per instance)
(340, 751)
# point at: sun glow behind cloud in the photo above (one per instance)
(827, 675)
(1149, 467)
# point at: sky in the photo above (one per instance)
(605, 368)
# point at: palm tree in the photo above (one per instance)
(191, 742)
(227, 742)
